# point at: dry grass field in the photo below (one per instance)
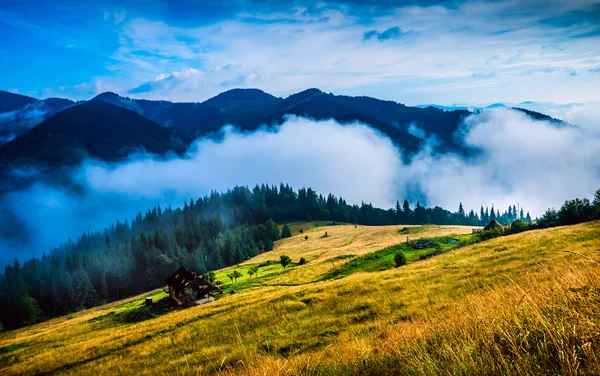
(519, 304)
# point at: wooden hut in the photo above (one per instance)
(494, 224)
(184, 278)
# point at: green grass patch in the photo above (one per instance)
(384, 258)
(156, 296)
(137, 310)
(145, 312)
(322, 223)
(341, 257)
(11, 348)
(416, 229)
(266, 271)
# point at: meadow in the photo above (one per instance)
(518, 304)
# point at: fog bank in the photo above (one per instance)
(519, 159)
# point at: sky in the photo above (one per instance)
(413, 52)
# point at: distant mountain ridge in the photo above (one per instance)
(12, 102)
(19, 113)
(94, 129)
(247, 109)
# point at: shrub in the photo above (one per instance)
(145, 312)
(518, 226)
(306, 237)
(189, 298)
(302, 261)
(400, 259)
(285, 261)
(489, 234)
(137, 315)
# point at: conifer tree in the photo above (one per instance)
(285, 232)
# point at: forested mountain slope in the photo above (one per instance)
(93, 129)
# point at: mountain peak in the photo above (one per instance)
(96, 129)
(301, 97)
(107, 95)
(233, 97)
(11, 101)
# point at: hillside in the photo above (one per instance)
(12, 102)
(518, 304)
(96, 129)
(18, 121)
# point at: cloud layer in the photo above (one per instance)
(520, 160)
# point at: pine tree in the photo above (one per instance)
(407, 212)
(82, 291)
(103, 290)
(461, 213)
(285, 232)
(272, 230)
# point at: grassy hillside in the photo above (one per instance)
(519, 304)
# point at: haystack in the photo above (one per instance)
(493, 225)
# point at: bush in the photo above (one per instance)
(189, 298)
(306, 237)
(285, 261)
(400, 259)
(137, 315)
(489, 234)
(145, 312)
(302, 261)
(518, 226)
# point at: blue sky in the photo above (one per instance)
(414, 52)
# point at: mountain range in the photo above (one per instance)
(109, 126)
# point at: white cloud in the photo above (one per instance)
(353, 161)
(325, 155)
(521, 160)
(289, 51)
(170, 84)
(116, 17)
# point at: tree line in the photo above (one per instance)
(212, 232)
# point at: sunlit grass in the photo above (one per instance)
(519, 304)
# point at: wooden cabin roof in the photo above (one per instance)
(181, 278)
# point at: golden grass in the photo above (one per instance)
(343, 240)
(520, 304)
